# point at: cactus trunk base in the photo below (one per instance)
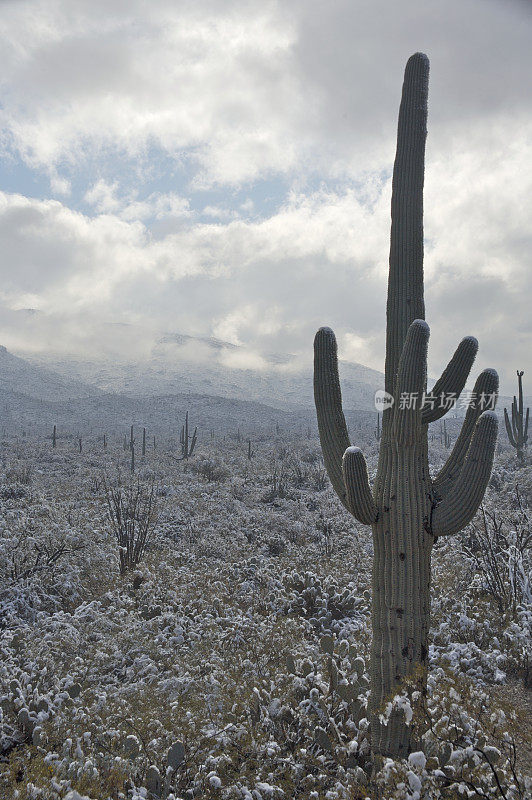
(400, 586)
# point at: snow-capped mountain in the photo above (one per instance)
(22, 377)
(179, 363)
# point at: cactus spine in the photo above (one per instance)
(517, 430)
(406, 508)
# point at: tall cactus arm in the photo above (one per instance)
(520, 392)
(359, 497)
(328, 398)
(411, 377)
(460, 505)
(453, 379)
(486, 385)
(509, 431)
(405, 282)
(515, 419)
(525, 432)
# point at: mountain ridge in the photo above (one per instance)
(180, 363)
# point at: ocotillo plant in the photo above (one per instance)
(406, 508)
(518, 429)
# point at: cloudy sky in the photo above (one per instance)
(223, 167)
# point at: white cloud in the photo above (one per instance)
(206, 76)
(59, 185)
(243, 359)
(247, 88)
(103, 197)
(216, 212)
(228, 93)
(63, 257)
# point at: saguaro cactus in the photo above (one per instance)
(187, 442)
(132, 449)
(406, 508)
(518, 429)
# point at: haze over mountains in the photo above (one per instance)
(179, 363)
(19, 376)
(183, 374)
(222, 385)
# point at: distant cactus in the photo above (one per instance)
(143, 442)
(406, 509)
(132, 449)
(445, 438)
(54, 437)
(517, 430)
(188, 442)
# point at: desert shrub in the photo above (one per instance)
(19, 473)
(256, 664)
(275, 545)
(466, 747)
(14, 491)
(211, 469)
(499, 545)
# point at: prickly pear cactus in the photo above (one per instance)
(154, 783)
(406, 508)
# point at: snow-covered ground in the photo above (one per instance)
(231, 662)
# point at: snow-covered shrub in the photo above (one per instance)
(499, 546)
(133, 513)
(255, 665)
(211, 468)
